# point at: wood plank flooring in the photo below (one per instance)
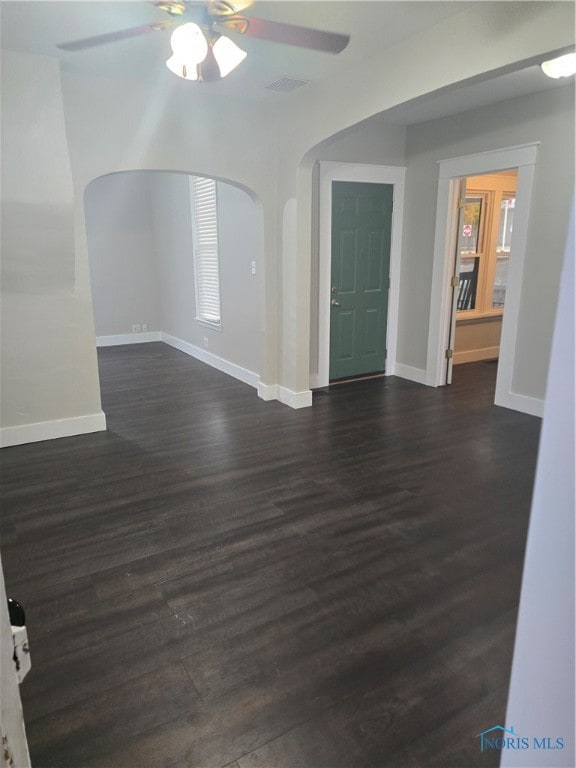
(219, 581)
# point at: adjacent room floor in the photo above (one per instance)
(219, 581)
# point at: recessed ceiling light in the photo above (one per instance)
(563, 66)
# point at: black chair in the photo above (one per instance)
(467, 288)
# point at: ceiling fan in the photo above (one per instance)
(200, 49)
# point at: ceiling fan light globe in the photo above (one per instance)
(189, 44)
(563, 66)
(227, 54)
(186, 70)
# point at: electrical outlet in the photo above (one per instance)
(136, 328)
(144, 327)
(253, 267)
(205, 342)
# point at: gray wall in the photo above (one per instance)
(122, 252)
(240, 241)
(371, 142)
(140, 244)
(545, 117)
(48, 355)
(172, 218)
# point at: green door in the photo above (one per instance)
(361, 230)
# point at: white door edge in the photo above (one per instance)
(524, 158)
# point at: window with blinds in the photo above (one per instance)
(205, 243)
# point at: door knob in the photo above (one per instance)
(335, 303)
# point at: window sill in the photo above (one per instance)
(207, 324)
(473, 316)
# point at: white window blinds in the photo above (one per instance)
(206, 260)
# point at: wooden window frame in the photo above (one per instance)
(494, 188)
(483, 251)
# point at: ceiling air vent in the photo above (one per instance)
(286, 84)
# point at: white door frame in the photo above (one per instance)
(524, 158)
(374, 174)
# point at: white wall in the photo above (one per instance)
(541, 698)
(121, 245)
(545, 117)
(48, 352)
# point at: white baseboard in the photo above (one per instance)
(128, 338)
(267, 391)
(286, 396)
(294, 399)
(476, 355)
(533, 406)
(51, 430)
(236, 371)
(408, 372)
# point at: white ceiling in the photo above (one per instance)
(466, 96)
(38, 26)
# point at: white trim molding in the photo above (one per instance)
(284, 395)
(128, 338)
(408, 372)
(522, 157)
(267, 392)
(236, 371)
(52, 430)
(533, 406)
(295, 399)
(375, 174)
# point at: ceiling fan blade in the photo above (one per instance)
(112, 37)
(277, 32)
(227, 7)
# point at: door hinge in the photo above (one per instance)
(449, 354)
(454, 282)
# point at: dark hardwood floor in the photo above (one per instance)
(220, 581)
